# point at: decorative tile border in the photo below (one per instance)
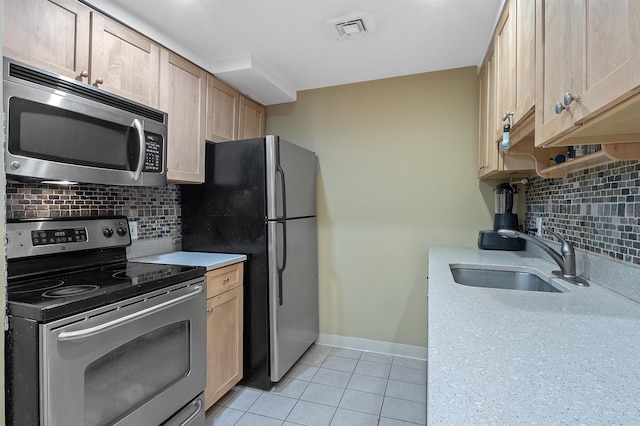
(156, 209)
(598, 209)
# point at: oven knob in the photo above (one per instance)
(122, 231)
(107, 232)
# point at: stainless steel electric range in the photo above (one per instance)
(94, 339)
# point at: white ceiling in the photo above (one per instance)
(270, 49)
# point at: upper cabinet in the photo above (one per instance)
(124, 62)
(487, 146)
(514, 45)
(67, 38)
(231, 115)
(223, 102)
(565, 73)
(588, 68)
(507, 88)
(183, 96)
(251, 119)
(50, 34)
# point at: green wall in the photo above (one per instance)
(397, 175)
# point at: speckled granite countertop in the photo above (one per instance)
(510, 357)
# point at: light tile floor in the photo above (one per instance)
(336, 387)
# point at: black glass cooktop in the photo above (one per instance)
(54, 296)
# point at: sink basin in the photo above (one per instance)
(505, 279)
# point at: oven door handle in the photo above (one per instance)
(193, 415)
(68, 336)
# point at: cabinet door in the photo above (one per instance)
(505, 77)
(124, 62)
(251, 119)
(558, 65)
(182, 95)
(487, 148)
(525, 58)
(50, 34)
(223, 104)
(611, 39)
(224, 343)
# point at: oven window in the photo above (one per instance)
(53, 133)
(132, 374)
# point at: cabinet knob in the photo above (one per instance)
(84, 73)
(226, 280)
(482, 166)
(568, 98)
(560, 107)
(99, 81)
(209, 310)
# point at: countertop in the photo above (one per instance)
(507, 357)
(192, 258)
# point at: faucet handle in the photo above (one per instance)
(566, 247)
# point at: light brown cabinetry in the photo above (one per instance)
(67, 38)
(587, 49)
(223, 102)
(224, 330)
(251, 120)
(182, 96)
(123, 61)
(507, 87)
(50, 34)
(515, 68)
(487, 147)
(230, 114)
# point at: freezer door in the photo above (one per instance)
(291, 180)
(293, 291)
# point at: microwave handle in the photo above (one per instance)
(137, 124)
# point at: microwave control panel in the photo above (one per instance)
(153, 153)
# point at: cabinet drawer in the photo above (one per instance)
(223, 279)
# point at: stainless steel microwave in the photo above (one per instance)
(60, 129)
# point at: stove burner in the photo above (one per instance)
(37, 286)
(143, 271)
(70, 291)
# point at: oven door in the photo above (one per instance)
(136, 362)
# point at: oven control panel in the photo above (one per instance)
(35, 237)
(58, 236)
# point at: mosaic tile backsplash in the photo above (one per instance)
(156, 209)
(598, 209)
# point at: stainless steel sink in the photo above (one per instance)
(505, 279)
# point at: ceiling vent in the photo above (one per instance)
(351, 26)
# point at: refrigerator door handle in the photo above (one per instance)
(284, 260)
(280, 171)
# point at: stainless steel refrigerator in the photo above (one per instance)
(259, 198)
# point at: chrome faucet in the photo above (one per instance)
(566, 259)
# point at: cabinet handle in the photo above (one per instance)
(568, 98)
(84, 73)
(226, 280)
(99, 81)
(482, 166)
(209, 310)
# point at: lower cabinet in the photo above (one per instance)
(224, 330)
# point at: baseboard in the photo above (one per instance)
(378, 346)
